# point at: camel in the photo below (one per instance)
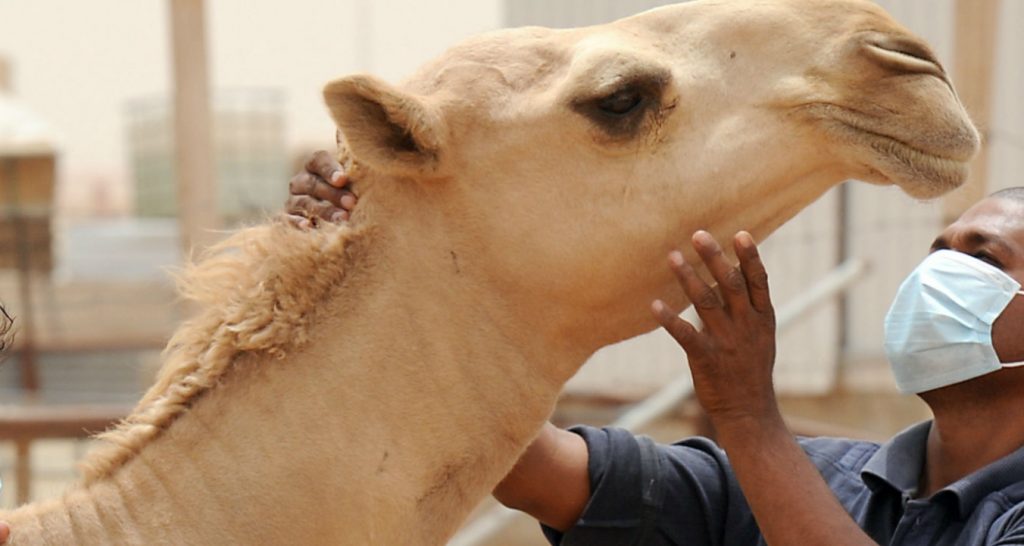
(370, 383)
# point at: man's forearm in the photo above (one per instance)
(791, 502)
(550, 482)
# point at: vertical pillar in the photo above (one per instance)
(193, 142)
(5, 76)
(973, 72)
(23, 470)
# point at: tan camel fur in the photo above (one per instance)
(371, 383)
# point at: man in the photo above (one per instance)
(958, 479)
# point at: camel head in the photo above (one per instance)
(562, 165)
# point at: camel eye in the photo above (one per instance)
(627, 110)
(621, 102)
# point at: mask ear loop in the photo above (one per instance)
(1014, 364)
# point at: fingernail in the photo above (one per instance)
(746, 239)
(337, 217)
(676, 258)
(348, 201)
(657, 306)
(336, 177)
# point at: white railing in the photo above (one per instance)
(661, 402)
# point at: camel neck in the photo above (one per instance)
(407, 405)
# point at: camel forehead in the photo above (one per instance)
(521, 59)
(810, 22)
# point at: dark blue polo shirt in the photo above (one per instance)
(686, 494)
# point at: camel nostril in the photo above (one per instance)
(905, 46)
(903, 55)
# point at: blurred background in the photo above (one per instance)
(99, 194)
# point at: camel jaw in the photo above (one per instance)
(919, 173)
(925, 162)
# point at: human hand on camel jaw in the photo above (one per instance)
(732, 356)
(319, 193)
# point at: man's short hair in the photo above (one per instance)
(1015, 193)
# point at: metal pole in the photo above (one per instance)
(194, 161)
(661, 402)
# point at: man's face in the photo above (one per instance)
(993, 231)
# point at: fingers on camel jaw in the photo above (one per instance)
(745, 241)
(338, 179)
(348, 201)
(661, 309)
(703, 239)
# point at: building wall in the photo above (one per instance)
(1007, 134)
(572, 13)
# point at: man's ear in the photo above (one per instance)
(386, 129)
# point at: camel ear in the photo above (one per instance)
(385, 129)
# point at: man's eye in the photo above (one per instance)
(621, 102)
(989, 259)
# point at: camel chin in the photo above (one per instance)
(920, 174)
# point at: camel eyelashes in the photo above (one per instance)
(621, 115)
(621, 103)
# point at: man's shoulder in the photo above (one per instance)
(1002, 514)
(843, 455)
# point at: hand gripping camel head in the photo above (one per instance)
(370, 383)
(575, 159)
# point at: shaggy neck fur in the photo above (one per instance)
(287, 411)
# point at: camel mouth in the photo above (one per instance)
(923, 158)
(920, 173)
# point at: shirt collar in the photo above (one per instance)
(898, 464)
(999, 475)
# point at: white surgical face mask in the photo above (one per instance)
(939, 328)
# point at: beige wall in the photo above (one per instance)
(76, 63)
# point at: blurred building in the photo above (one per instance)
(250, 152)
(28, 159)
(572, 13)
